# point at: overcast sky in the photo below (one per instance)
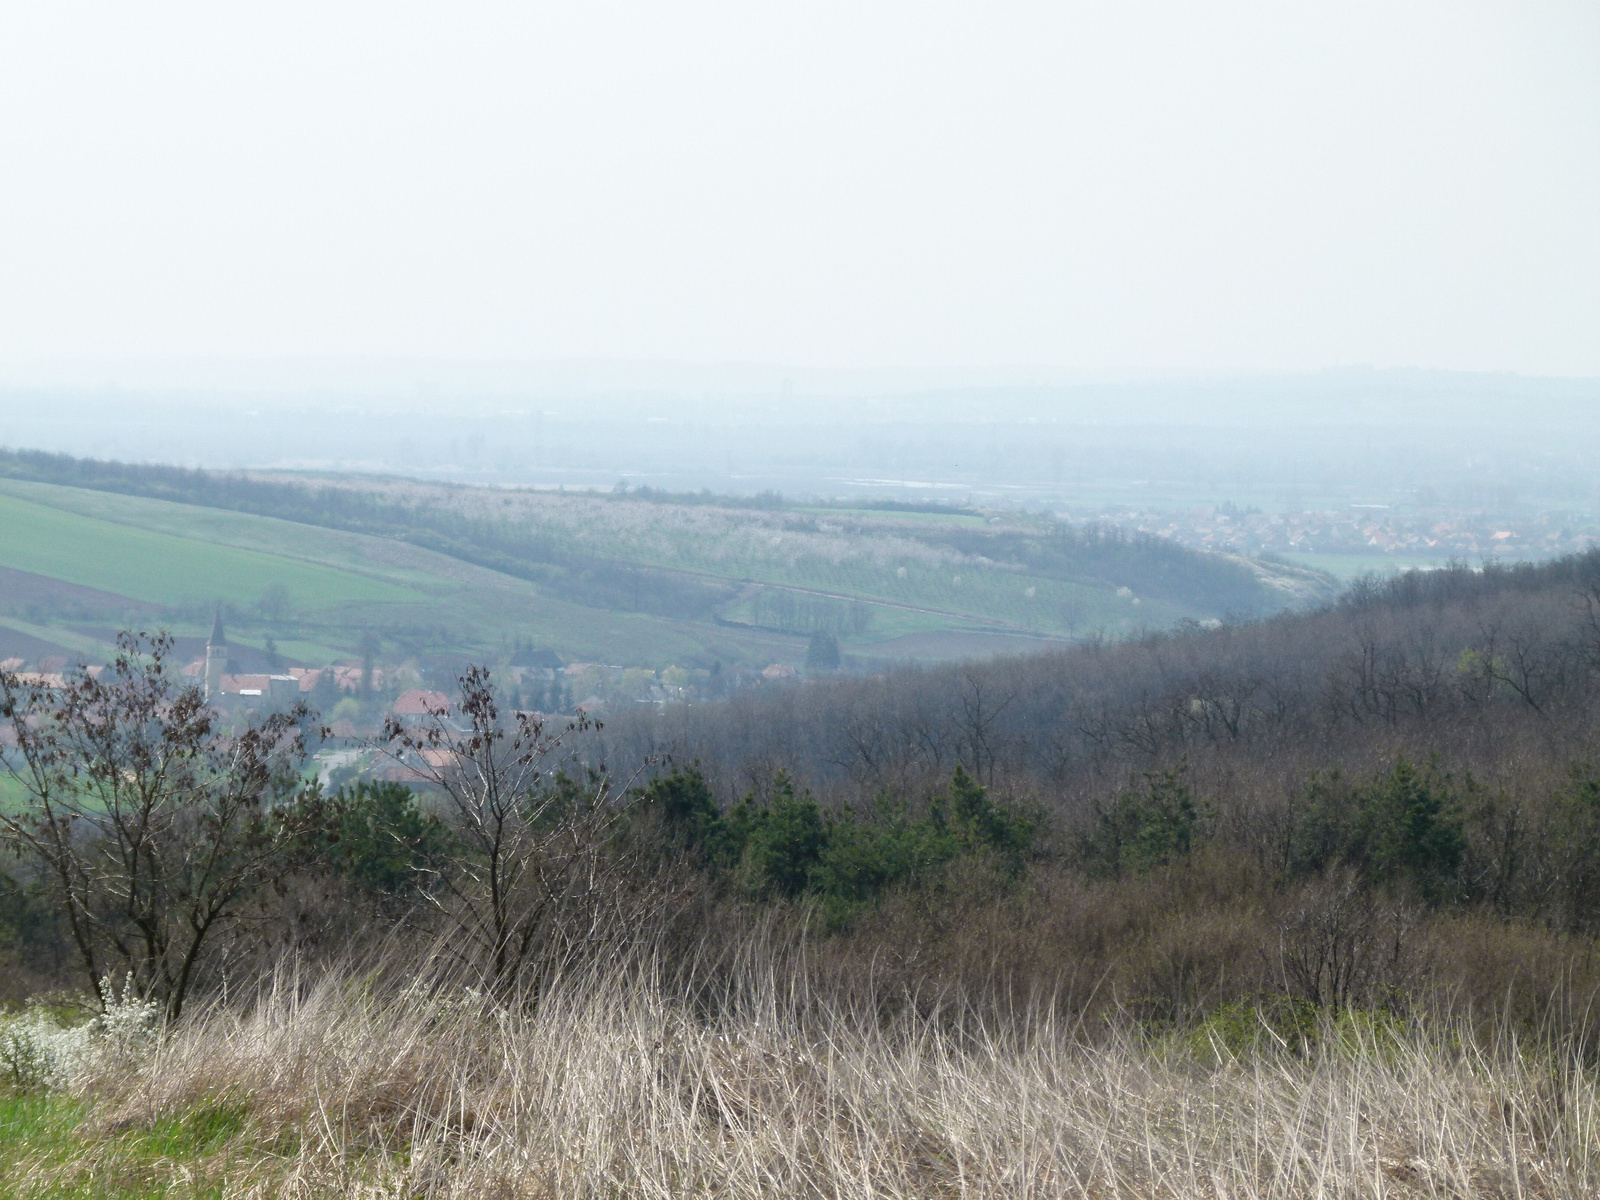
(1146, 187)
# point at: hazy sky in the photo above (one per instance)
(1185, 185)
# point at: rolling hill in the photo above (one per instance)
(319, 563)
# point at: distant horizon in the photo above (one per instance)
(238, 376)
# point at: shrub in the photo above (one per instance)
(689, 819)
(784, 847)
(376, 835)
(1242, 1026)
(1323, 827)
(782, 841)
(1144, 826)
(822, 652)
(1410, 829)
(40, 1049)
(979, 824)
(1575, 845)
(866, 856)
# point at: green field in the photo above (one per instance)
(339, 585)
(758, 581)
(131, 558)
(12, 794)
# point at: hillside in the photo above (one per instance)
(635, 578)
(1496, 668)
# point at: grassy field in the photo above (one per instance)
(611, 1087)
(1354, 566)
(93, 645)
(337, 584)
(12, 794)
(143, 563)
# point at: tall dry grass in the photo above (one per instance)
(614, 1084)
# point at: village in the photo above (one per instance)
(1374, 530)
(354, 699)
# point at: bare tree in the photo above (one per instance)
(1343, 946)
(534, 825)
(150, 825)
(983, 703)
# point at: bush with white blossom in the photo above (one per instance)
(39, 1050)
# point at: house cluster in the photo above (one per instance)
(1363, 529)
(533, 682)
(225, 689)
(50, 671)
(417, 709)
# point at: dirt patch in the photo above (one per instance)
(20, 590)
(15, 644)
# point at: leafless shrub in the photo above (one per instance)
(1346, 946)
(151, 825)
(533, 873)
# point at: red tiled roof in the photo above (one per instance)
(420, 703)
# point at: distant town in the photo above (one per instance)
(1376, 530)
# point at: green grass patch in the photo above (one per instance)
(350, 553)
(189, 1135)
(165, 569)
(46, 1150)
(13, 796)
(67, 639)
(38, 1138)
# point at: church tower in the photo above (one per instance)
(216, 659)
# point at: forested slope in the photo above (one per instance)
(1222, 813)
(1456, 659)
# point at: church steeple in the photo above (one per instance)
(216, 658)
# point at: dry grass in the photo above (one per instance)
(611, 1086)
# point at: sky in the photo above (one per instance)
(1146, 187)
